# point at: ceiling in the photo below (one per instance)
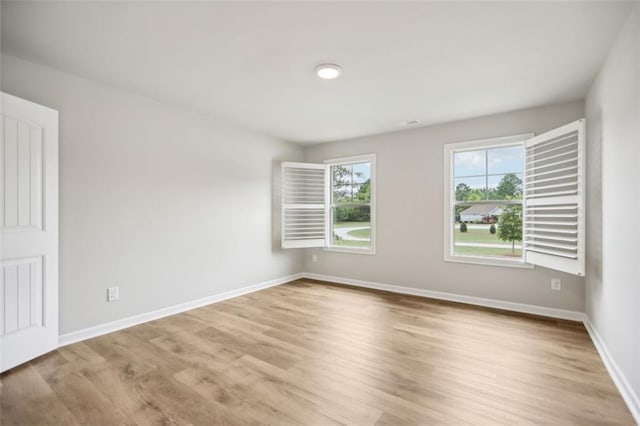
(252, 63)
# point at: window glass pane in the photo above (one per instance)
(362, 193)
(351, 183)
(361, 172)
(470, 189)
(341, 175)
(506, 160)
(505, 187)
(488, 230)
(341, 194)
(351, 226)
(469, 163)
(351, 205)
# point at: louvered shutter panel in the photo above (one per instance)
(554, 199)
(304, 205)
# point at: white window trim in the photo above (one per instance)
(371, 159)
(449, 199)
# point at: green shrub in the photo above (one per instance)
(463, 227)
(352, 214)
(492, 229)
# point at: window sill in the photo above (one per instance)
(483, 261)
(368, 251)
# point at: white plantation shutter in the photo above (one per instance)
(304, 205)
(554, 199)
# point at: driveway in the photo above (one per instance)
(343, 233)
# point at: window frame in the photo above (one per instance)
(450, 200)
(365, 158)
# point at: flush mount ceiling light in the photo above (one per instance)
(328, 71)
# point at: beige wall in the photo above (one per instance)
(613, 140)
(168, 205)
(410, 214)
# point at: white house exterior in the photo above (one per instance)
(480, 211)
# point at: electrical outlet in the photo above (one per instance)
(556, 284)
(314, 258)
(113, 294)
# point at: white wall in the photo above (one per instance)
(613, 139)
(410, 214)
(169, 205)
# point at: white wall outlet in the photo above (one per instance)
(314, 258)
(113, 294)
(556, 284)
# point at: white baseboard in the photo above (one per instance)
(630, 397)
(98, 330)
(625, 389)
(452, 297)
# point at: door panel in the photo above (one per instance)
(22, 302)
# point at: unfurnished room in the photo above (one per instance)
(319, 213)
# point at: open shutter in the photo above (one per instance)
(554, 199)
(304, 205)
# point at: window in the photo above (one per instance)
(351, 212)
(485, 212)
(330, 205)
(517, 201)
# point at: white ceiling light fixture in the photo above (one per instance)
(328, 71)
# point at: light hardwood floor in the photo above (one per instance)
(316, 353)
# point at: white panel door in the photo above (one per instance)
(28, 231)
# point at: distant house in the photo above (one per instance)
(479, 212)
